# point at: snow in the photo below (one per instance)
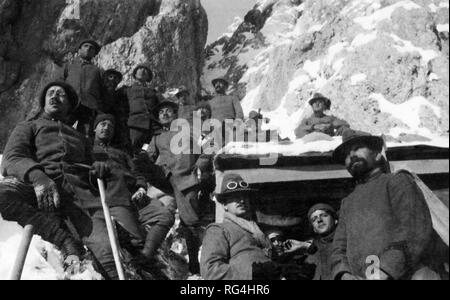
(357, 78)
(412, 107)
(433, 77)
(36, 266)
(408, 47)
(370, 22)
(315, 28)
(442, 27)
(363, 39)
(443, 5)
(433, 7)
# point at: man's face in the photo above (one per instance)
(104, 131)
(239, 205)
(166, 116)
(220, 87)
(322, 222)
(57, 102)
(360, 160)
(143, 75)
(87, 51)
(111, 82)
(319, 106)
(204, 113)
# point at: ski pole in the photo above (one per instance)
(110, 228)
(22, 252)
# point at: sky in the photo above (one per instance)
(221, 14)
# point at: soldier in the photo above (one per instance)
(225, 107)
(127, 193)
(86, 79)
(46, 158)
(385, 220)
(323, 219)
(319, 121)
(175, 174)
(185, 108)
(142, 99)
(115, 102)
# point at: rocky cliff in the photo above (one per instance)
(383, 63)
(37, 37)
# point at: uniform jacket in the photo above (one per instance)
(322, 258)
(178, 166)
(226, 107)
(387, 217)
(55, 148)
(121, 182)
(85, 78)
(306, 127)
(141, 99)
(229, 251)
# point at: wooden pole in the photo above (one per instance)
(110, 228)
(22, 252)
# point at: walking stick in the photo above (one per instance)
(110, 228)
(22, 252)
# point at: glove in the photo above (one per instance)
(140, 198)
(45, 189)
(100, 169)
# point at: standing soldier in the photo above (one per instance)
(142, 99)
(115, 102)
(385, 227)
(175, 174)
(186, 109)
(225, 107)
(86, 79)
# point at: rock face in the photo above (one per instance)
(37, 37)
(384, 64)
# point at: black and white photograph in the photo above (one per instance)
(204, 142)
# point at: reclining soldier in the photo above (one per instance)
(46, 183)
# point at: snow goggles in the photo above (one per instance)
(232, 185)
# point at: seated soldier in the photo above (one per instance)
(319, 121)
(46, 158)
(122, 184)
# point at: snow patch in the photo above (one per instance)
(363, 39)
(408, 47)
(443, 5)
(412, 106)
(357, 78)
(433, 77)
(442, 27)
(315, 28)
(370, 22)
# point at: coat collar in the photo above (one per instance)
(371, 177)
(48, 117)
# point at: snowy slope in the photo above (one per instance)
(384, 64)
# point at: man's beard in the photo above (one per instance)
(358, 168)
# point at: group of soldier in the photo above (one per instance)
(89, 129)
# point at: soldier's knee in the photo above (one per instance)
(167, 217)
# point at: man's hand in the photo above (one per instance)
(100, 169)
(140, 198)
(293, 246)
(45, 189)
(47, 196)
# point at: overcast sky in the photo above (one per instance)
(221, 14)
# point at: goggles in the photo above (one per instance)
(232, 185)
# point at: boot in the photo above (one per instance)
(194, 238)
(155, 237)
